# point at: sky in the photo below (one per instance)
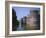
(23, 11)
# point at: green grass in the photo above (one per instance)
(28, 27)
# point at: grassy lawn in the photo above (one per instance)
(28, 27)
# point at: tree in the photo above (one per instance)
(15, 22)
